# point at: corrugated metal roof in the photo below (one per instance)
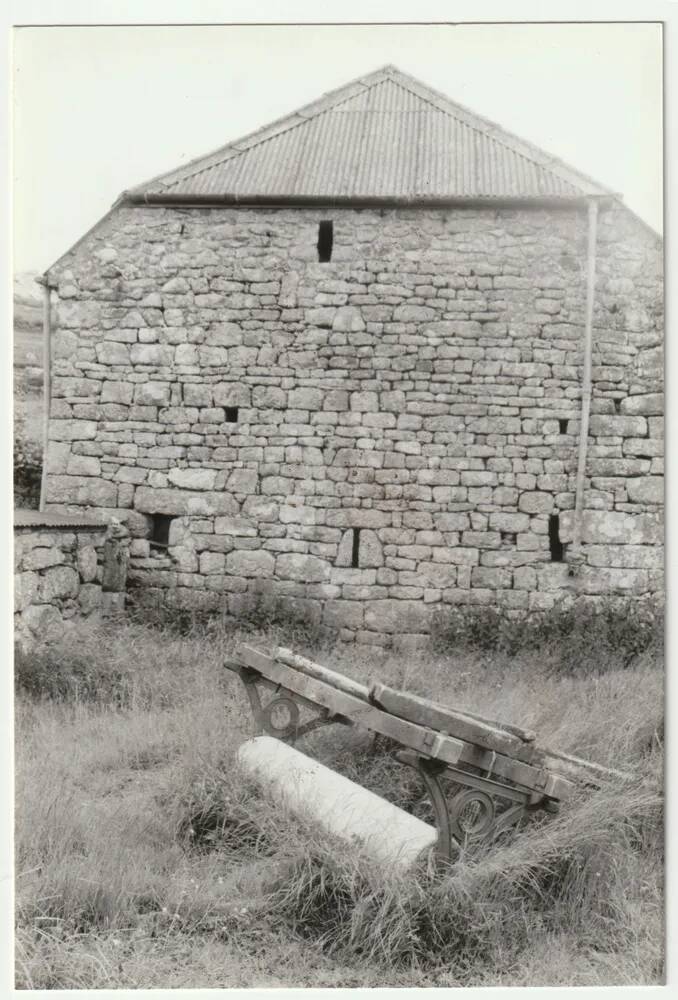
(47, 519)
(385, 136)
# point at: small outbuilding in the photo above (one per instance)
(376, 358)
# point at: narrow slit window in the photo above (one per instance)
(556, 546)
(355, 551)
(160, 529)
(231, 414)
(325, 240)
(562, 425)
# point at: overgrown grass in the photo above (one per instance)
(27, 463)
(144, 860)
(573, 875)
(619, 630)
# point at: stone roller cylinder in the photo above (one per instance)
(343, 809)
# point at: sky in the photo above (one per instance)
(100, 109)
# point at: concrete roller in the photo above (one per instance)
(310, 790)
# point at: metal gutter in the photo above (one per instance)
(46, 379)
(586, 379)
(167, 198)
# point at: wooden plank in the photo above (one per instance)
(409, 734)
(446, 720)
(577, 767)
(526, 735)
(347, 684)
(527, 776)
(362, 691)
(487, 735)
(424, 741)
(321, 673)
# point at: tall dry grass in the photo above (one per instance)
(144, 860)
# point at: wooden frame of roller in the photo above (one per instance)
(498, 772)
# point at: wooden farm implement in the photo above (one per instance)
(482, 777)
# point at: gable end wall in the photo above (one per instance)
(423, 386)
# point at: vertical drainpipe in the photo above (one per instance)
(46, 380)
(586, 382)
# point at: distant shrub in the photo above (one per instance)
(176, 622)
(581, 637)
(285, 621)
(27, 469)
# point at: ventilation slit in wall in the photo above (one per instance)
(160, 529)
(325, 240)
(562, 426)
(617, 405)
(231, 414)
(355, 551)
(556, 546)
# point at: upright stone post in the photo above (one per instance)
(116, 560)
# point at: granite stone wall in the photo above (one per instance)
(58, 573)
(373, 437)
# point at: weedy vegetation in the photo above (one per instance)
(27, 463)
(143, 859)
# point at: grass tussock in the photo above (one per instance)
(144, 860)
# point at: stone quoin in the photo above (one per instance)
(342, 361)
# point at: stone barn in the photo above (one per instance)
(378, 358)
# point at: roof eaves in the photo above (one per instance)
(170, 198)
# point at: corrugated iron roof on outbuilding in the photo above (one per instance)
(24, 518)
(385, 136)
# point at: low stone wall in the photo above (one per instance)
(58, 566)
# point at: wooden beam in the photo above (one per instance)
(321, 673)
(583, 770)
(422, 739)
(446, 720)
(361, 713)
(537, 779)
